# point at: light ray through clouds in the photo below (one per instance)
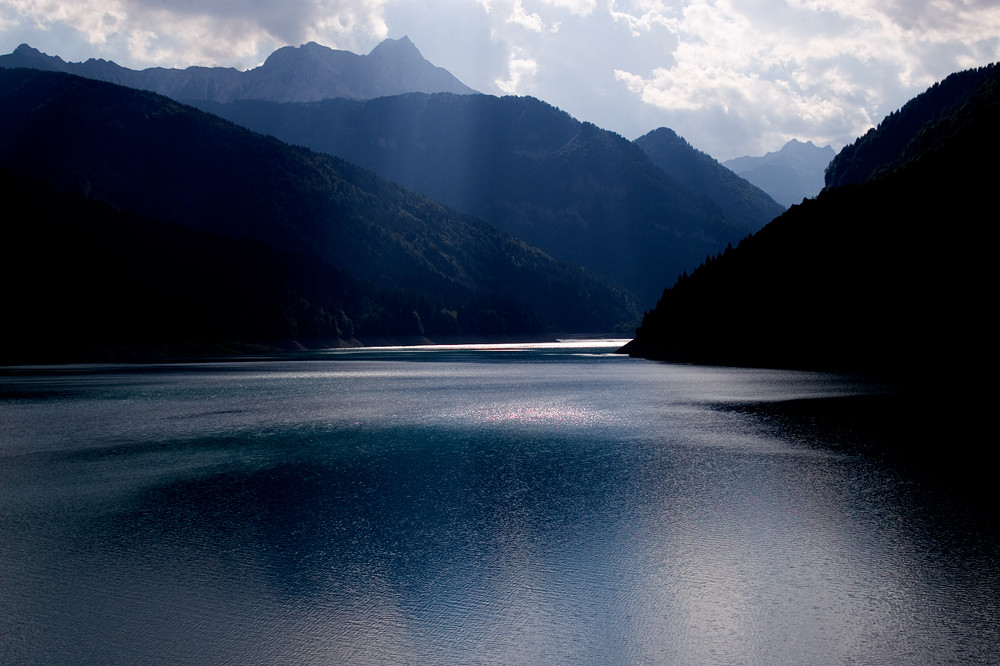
(733, 77)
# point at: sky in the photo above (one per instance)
(733, 77)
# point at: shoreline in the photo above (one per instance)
(199, 350)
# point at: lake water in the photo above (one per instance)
(518, 504)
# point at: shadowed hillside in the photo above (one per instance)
(930, 119)
(580, 193)
(891, 275)
(152, 159)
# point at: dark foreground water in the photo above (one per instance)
(530, 505)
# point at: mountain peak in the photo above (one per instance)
(790, 174)
(395, 46)
(795, 146)
(295, 55)
(30, 57)
(664, 132)
(314, 48)
(665, 137)
(305, 73)
(741, 202)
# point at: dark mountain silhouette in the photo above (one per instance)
(290, 74)
(83, 280)
(892, 275)
(919, 127)
(741, 201)
(580, 193)
(789, 175)
(414, 266)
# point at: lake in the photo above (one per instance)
(549, 503)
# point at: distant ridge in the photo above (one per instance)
(306, 73)
(789, 175)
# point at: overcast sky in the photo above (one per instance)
(733, 77)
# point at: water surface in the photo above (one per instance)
(506, 504)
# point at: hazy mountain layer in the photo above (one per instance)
(578, 192)
(789, 175)
(290, 74)
(154, 159)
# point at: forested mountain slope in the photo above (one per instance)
(930, 119)
(154, 160)
(580, 193)
(739, 199)
(893, 275)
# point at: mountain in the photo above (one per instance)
(919, 127)
(893, 275)
(739, 200)
(356, 253)
(85, 281)
(290, 74)
(789, 175)
(580, 193)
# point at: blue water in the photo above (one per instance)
(519, 504)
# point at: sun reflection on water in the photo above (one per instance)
(534, 414)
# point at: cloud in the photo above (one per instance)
(814, 69)
(731, 76)
(578, 7)
(205, 32)
(644, 16)
(519, 69)
(518, 16)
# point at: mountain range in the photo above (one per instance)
(291, 74)
(316, 247)
(789, 175)
(579, 193)
(357, 256)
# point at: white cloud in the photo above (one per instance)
(810, 69)
(578, 7)
(643, 15)
(207, 31)
(519, 69)
(519, 16)
(731, 76)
